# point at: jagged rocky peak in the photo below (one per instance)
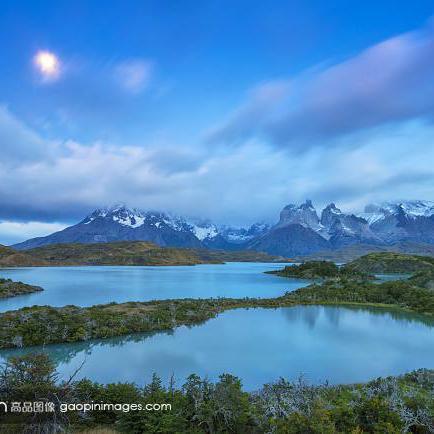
(411, 208)
(329, 215)
(304, 214)
(240, 234)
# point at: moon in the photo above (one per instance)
(47, 63)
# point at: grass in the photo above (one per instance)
(124, 253)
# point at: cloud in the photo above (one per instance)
(134, 75)
(390, 82)
(12, 232)
(18, 142)
(251, 182)
(365, 127)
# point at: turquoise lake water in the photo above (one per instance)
(341, 345)
(86, 286)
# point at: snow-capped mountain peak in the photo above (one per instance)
(299, 230)
(133, 218)
(203, 229)
(410, 208)
(120, 214)
(304, 215)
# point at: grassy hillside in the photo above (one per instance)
(349, 253)
(123, 253)
(117, 253)
(388, 262)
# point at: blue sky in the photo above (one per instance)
(221, 109)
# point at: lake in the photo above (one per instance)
(86, 286)
(342, 345)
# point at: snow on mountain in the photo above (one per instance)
(371, 217)
(241, 235)
(300, 229)
(410, 208)
(203, 230)
(132, 218)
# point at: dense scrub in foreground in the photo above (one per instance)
(9, 288)
(385, 405)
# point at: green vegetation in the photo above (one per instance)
(424, 279)
(386, 405)
(365, 267)
(354, 251)
(399, 294)
(124, 253)
(351, 284)
(319, 270)
(41, 325)
(9, 288)
(388, 262)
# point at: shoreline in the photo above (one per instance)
(122, 319)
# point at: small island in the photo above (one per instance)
(9, 288)
(313, 270)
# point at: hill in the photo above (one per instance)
(349, 253)
(124, 253)
(389, 262)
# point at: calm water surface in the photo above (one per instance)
(342, 345)
(86, 286)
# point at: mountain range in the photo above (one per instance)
(301, 230)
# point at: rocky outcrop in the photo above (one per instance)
(290, 240)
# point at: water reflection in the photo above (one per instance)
(333, 314)
(259, 345)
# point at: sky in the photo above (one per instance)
(226, 110)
